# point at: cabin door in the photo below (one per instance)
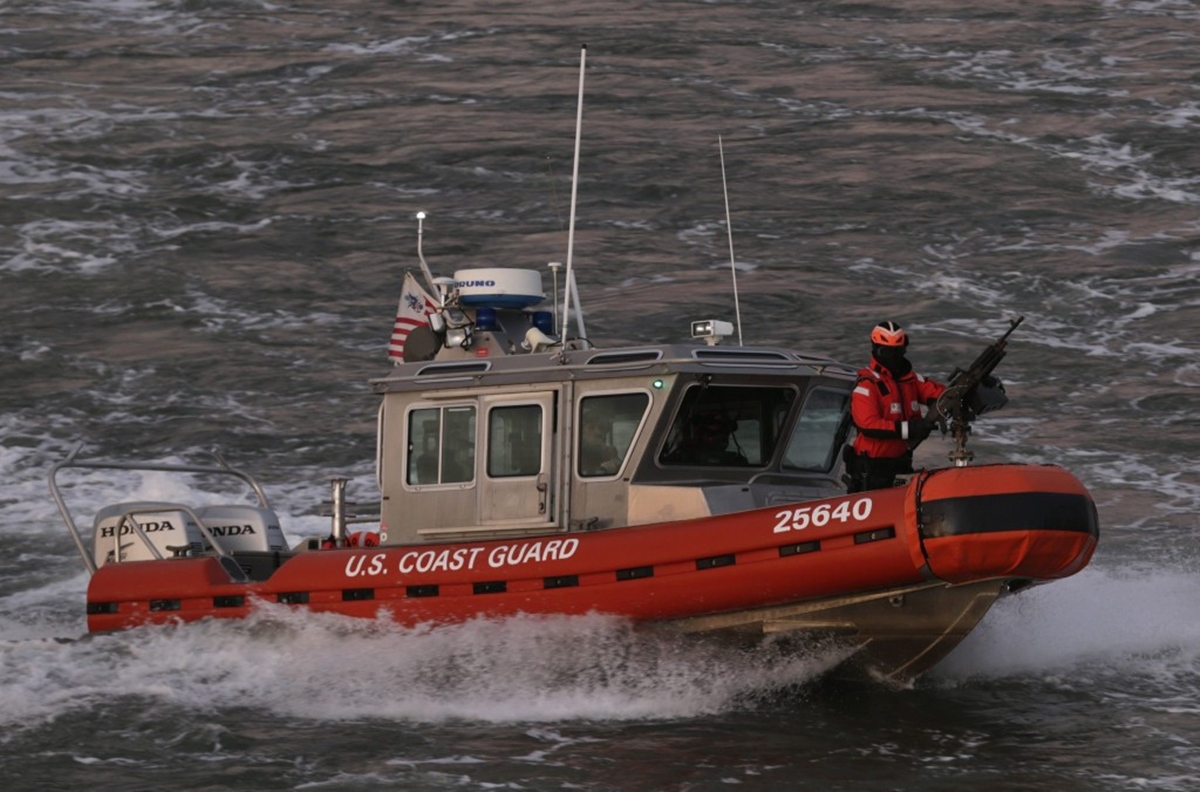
(516, 486)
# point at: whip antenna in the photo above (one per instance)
(737, 307)
(574, 192)
(421, 255)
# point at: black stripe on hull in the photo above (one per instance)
(1015, 511)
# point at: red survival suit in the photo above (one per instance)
(883, 407)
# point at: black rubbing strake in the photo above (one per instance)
(799, 548)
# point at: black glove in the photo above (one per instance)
(918, 429)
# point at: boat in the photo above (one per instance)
(693, 486)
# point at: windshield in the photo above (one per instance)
(727, 426)
(818, 431)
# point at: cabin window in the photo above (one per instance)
(515, 441)
(727, 426)
(441, 445)
(607, 425)
(818, 431)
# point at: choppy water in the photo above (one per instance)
(205, 212)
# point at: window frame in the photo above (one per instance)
(491, 447)
(633, 437)
(835, 440)
(412, 459)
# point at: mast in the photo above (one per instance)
(737, 306)
(574, 194)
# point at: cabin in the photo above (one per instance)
(491, 428)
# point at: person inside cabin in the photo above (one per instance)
(423, 466)
(597, 457)
(886, 408)
(707, 439)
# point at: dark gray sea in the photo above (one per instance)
(206, 211)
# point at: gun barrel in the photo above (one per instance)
(1013, 323)
(964, 380)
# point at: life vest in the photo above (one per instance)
(882, 405)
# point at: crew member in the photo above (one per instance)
(886, 409)
(707, 442)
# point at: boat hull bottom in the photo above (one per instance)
(895, 635)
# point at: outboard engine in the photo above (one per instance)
(167, 525)
(244, 528)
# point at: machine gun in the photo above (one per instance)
(971, 393)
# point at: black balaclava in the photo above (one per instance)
(892, 358)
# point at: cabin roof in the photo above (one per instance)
(558, 365)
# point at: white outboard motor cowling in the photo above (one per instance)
(166, 525)
(243, 528)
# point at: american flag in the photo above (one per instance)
(413, 311)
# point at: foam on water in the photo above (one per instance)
(1058, 72)
(62, 246)
(219, 314)
(1136, 622)
(1128, 172)
(1137, 625)
(52, 610)
(335, 668)
(407, 45)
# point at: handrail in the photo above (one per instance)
(738, 359)
(130, 517)
(223, 468)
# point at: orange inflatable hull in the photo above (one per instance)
(960, 526)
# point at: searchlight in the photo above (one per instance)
(711, 330)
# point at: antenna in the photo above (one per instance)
(737, 306)
(421, 256)
(555, 266)
(578, 309)
(574, 192)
